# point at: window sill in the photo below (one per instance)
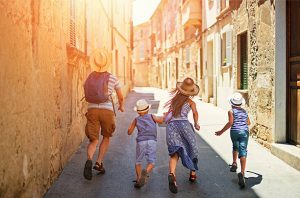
(74, 54)
(226, 68)
(242, 91)
(223, 13)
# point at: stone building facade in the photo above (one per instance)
(263, 67)
(175, 43)
(239, 44)
(257, 23)
(44, 58)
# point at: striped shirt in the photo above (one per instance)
(113, 84)
(240, 118)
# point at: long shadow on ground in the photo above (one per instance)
(214, 178)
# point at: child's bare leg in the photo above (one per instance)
(138, 170)
(234, 156)
(173, 162)
(149, 168)
(243, 164)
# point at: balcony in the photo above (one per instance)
(191, 13)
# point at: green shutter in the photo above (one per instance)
(244, 62)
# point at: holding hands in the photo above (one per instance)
(121, 108)
(197, 126)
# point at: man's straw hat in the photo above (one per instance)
(99, 60)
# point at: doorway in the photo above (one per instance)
(293, 72)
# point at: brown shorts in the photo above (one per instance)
(99, 118)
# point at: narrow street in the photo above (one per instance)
(274, 178)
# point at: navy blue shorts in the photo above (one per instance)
(240, 141)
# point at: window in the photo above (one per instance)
(141, 34)
(187, 57)
(226, 52)
(223, 50)
(142, 54)
(228, 47)
(117, 62)
(72, 24)
(242, 61)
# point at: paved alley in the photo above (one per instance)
(267, 175)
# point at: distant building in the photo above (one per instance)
(175, 43)
(141, 54)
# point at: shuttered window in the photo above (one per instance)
(228, 48)
(187, 57)
(243, 61)
(226, 52)
(72, 24)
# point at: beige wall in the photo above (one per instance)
(42, 116)
(41, 86)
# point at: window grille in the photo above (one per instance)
(72, 23)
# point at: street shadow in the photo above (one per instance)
(252, 181)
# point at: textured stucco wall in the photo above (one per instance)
(42, 117)
(259, 22)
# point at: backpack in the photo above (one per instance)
(96, 87)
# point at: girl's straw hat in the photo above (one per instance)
(142, 106)
(237, 99)
(99, 60)
(188, 87)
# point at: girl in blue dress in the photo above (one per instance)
(181, 139)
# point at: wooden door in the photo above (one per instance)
(293, 71)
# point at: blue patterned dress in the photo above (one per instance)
(181, 139)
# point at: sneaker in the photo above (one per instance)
(99, 167)
(172, 183)
(137, 185)
(241, 180)
(233, 167)
(87, 173)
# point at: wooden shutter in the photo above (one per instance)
(228, 47)
(72, 24)
(244, 62)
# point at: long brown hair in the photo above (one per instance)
(176, 102)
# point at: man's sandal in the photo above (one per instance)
(192, 177)
(172, 183)
(99, 167)
(87, 172)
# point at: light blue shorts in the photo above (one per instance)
(146, 149)
(239, 141)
